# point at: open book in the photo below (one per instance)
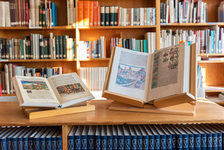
(57, 91)
(137, 78)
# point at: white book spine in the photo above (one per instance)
(132, 16)
(141, 16)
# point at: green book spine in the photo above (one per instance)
(111, 16)
(145, 47)
(57, 46)
(40, 15)
(21, 49)
(65, 46)
(107, 17)
(41, 48)
(115, 15)
(123, 43)
(102, 16)
(44, 16)
(61, 47)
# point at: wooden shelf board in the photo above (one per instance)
(117, 27)
(8, 94)
(210, 55)
(187, 25)
(38, 28)
(206, 112)
(95, 59)
(38, 60)
(214, 91)
(210, 61)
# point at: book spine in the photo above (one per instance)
(91, 13)
(115, 15)
(107, 16)
(86, 13)
(102, 14)
(81, 13)
(111, 16)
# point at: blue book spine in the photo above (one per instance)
(120, 142)
(26, 144)
(48, 143)
(20, 143)
(36, 144)
(54, 14)
(127, 142)
(157, 142)
(148, 16)
(173, 142)
(14, 144)
(3, 144)
(30, 143)
(54, 143)
(215, 141)
(169, 142)
(104, 142)
(90, 142)
(191, 142)
(114, 142)
(145, 142)
(134, 142)
(9, 144)
(213, 41)
(84, 142)
(203, 142)
(163, 142)
(110, 142)
(179, 142)
(209, 141)
(139, 142)
(151, 142)
(219, 140)
(59, 143)
(98, 142)
(198, 142)
(99, 48)
(70, 142)
(185, 142)
(42, 144)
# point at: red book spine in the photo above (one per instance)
(118, 11)
(90, 13)
(95, 4)
(80, 13)
(98, 15)
(86, 13)
(19, 12)
(27, 14)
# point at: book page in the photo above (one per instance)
(167, 72)
(36, 91)
(128, 73)
(69, 87)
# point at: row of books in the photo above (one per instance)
(186, 11)
(71, 17)
(36, 46)
(24, 138)
(92, 49)
(148, 45)
(11, 70)
(90, 13)
(93, 77)
(32, 13)
(207, 41)
(154, 137)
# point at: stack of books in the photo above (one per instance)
(11, 70)
(32, 13)
(36, 46)
(186, 11)
(24, 138)
(90, 13)
(191, 136)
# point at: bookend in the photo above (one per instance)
(184, 104)
(34, 113)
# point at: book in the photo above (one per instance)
(57, 91)
(141, 78)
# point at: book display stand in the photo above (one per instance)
(181, 104)
(34, 113)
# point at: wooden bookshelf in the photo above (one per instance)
(211, 55)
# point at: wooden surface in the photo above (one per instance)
(206, 112)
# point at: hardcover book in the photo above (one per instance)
(57, 91)
(137, 78)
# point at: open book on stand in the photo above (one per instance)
(57, 91)
(164, 78)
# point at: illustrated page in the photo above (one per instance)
(36, 90)
(128, 73)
